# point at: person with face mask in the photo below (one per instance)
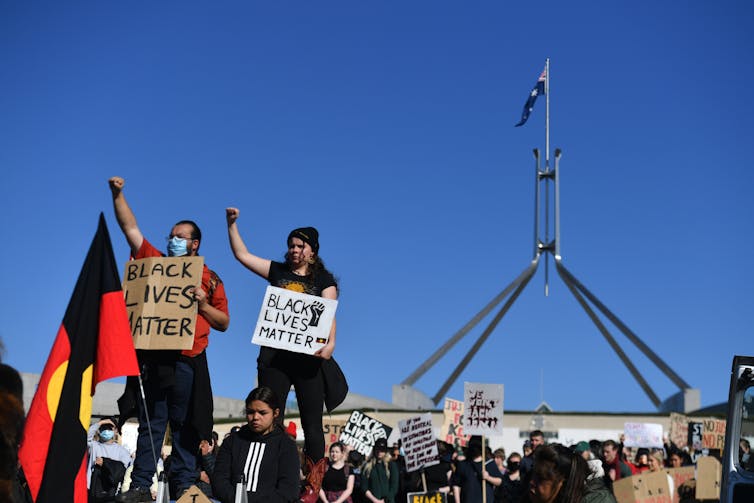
(172, 379)
(512, 487)
(103, 444)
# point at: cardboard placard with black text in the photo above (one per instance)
(159, 299)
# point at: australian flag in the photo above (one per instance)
(539, 88)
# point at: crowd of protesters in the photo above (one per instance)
(261, 459)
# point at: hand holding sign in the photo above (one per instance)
(295, 321)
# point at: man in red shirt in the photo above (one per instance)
(176, 383)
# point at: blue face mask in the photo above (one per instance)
(177, 247)
(106, 435)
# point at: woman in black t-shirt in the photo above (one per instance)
(303, 271)
(337, 484)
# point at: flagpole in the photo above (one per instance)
(547, 115)
(547, 170)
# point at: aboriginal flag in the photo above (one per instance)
(93, 344)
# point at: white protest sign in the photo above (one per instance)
(362, 431)
(418, 441)
(483, 409)
(294, 321)
(160, 302)
(642, 435)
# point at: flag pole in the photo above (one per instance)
(547, 115)
(547, 170)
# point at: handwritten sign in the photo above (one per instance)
(332, 429)
(679, 425)
(362, 431)
(428, 497)
(294, 321)
(159, 301)
(483, 404)
(696, 432)
(418, 441)
(643, 435)
(713, 436)
(648, 487)
(452, 426)
(679, 476)
(709, 474)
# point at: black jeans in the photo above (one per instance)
(279, 369)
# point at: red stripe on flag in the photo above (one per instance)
(34, 447)
(115, 348)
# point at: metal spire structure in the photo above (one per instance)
(545, 245)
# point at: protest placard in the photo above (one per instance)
(332, 430)
(647, 487)
(679, 476)
(709, 474)
(642, 435)
(713, 436)
(428, 497)
(362, 431)
(159, 301)
(294, 321)
(418, 442)
(452, 426)
(678, 430)
(695, 435)
(483, 404)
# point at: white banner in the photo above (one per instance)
(294, 321)
(642, 435)
(483, 409)
(418, 441)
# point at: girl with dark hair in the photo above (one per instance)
(260, 454)
(337, 484)
(559, 475)
(303, 271)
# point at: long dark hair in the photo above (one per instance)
(557, 462)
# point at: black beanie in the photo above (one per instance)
(307, 235)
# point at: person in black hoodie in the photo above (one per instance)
(261, 453)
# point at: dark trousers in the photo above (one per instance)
(279, 369)
(167, 404)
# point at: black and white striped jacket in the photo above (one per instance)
(269, 464)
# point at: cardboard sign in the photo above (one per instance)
(452, 426)
(193, 495)
(709, 473)
(679, 476)
(647, 487)
(428, 497)
(483, 404)
(418, 441)
(642, 435)
(696, 431)
(713, 436)
(332, 430)
(294, 321)
(160, 305)
(362, 431)
(679, 429)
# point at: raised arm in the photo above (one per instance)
(124, 215)
(257, 265)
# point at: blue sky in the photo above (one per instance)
(389, 126)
